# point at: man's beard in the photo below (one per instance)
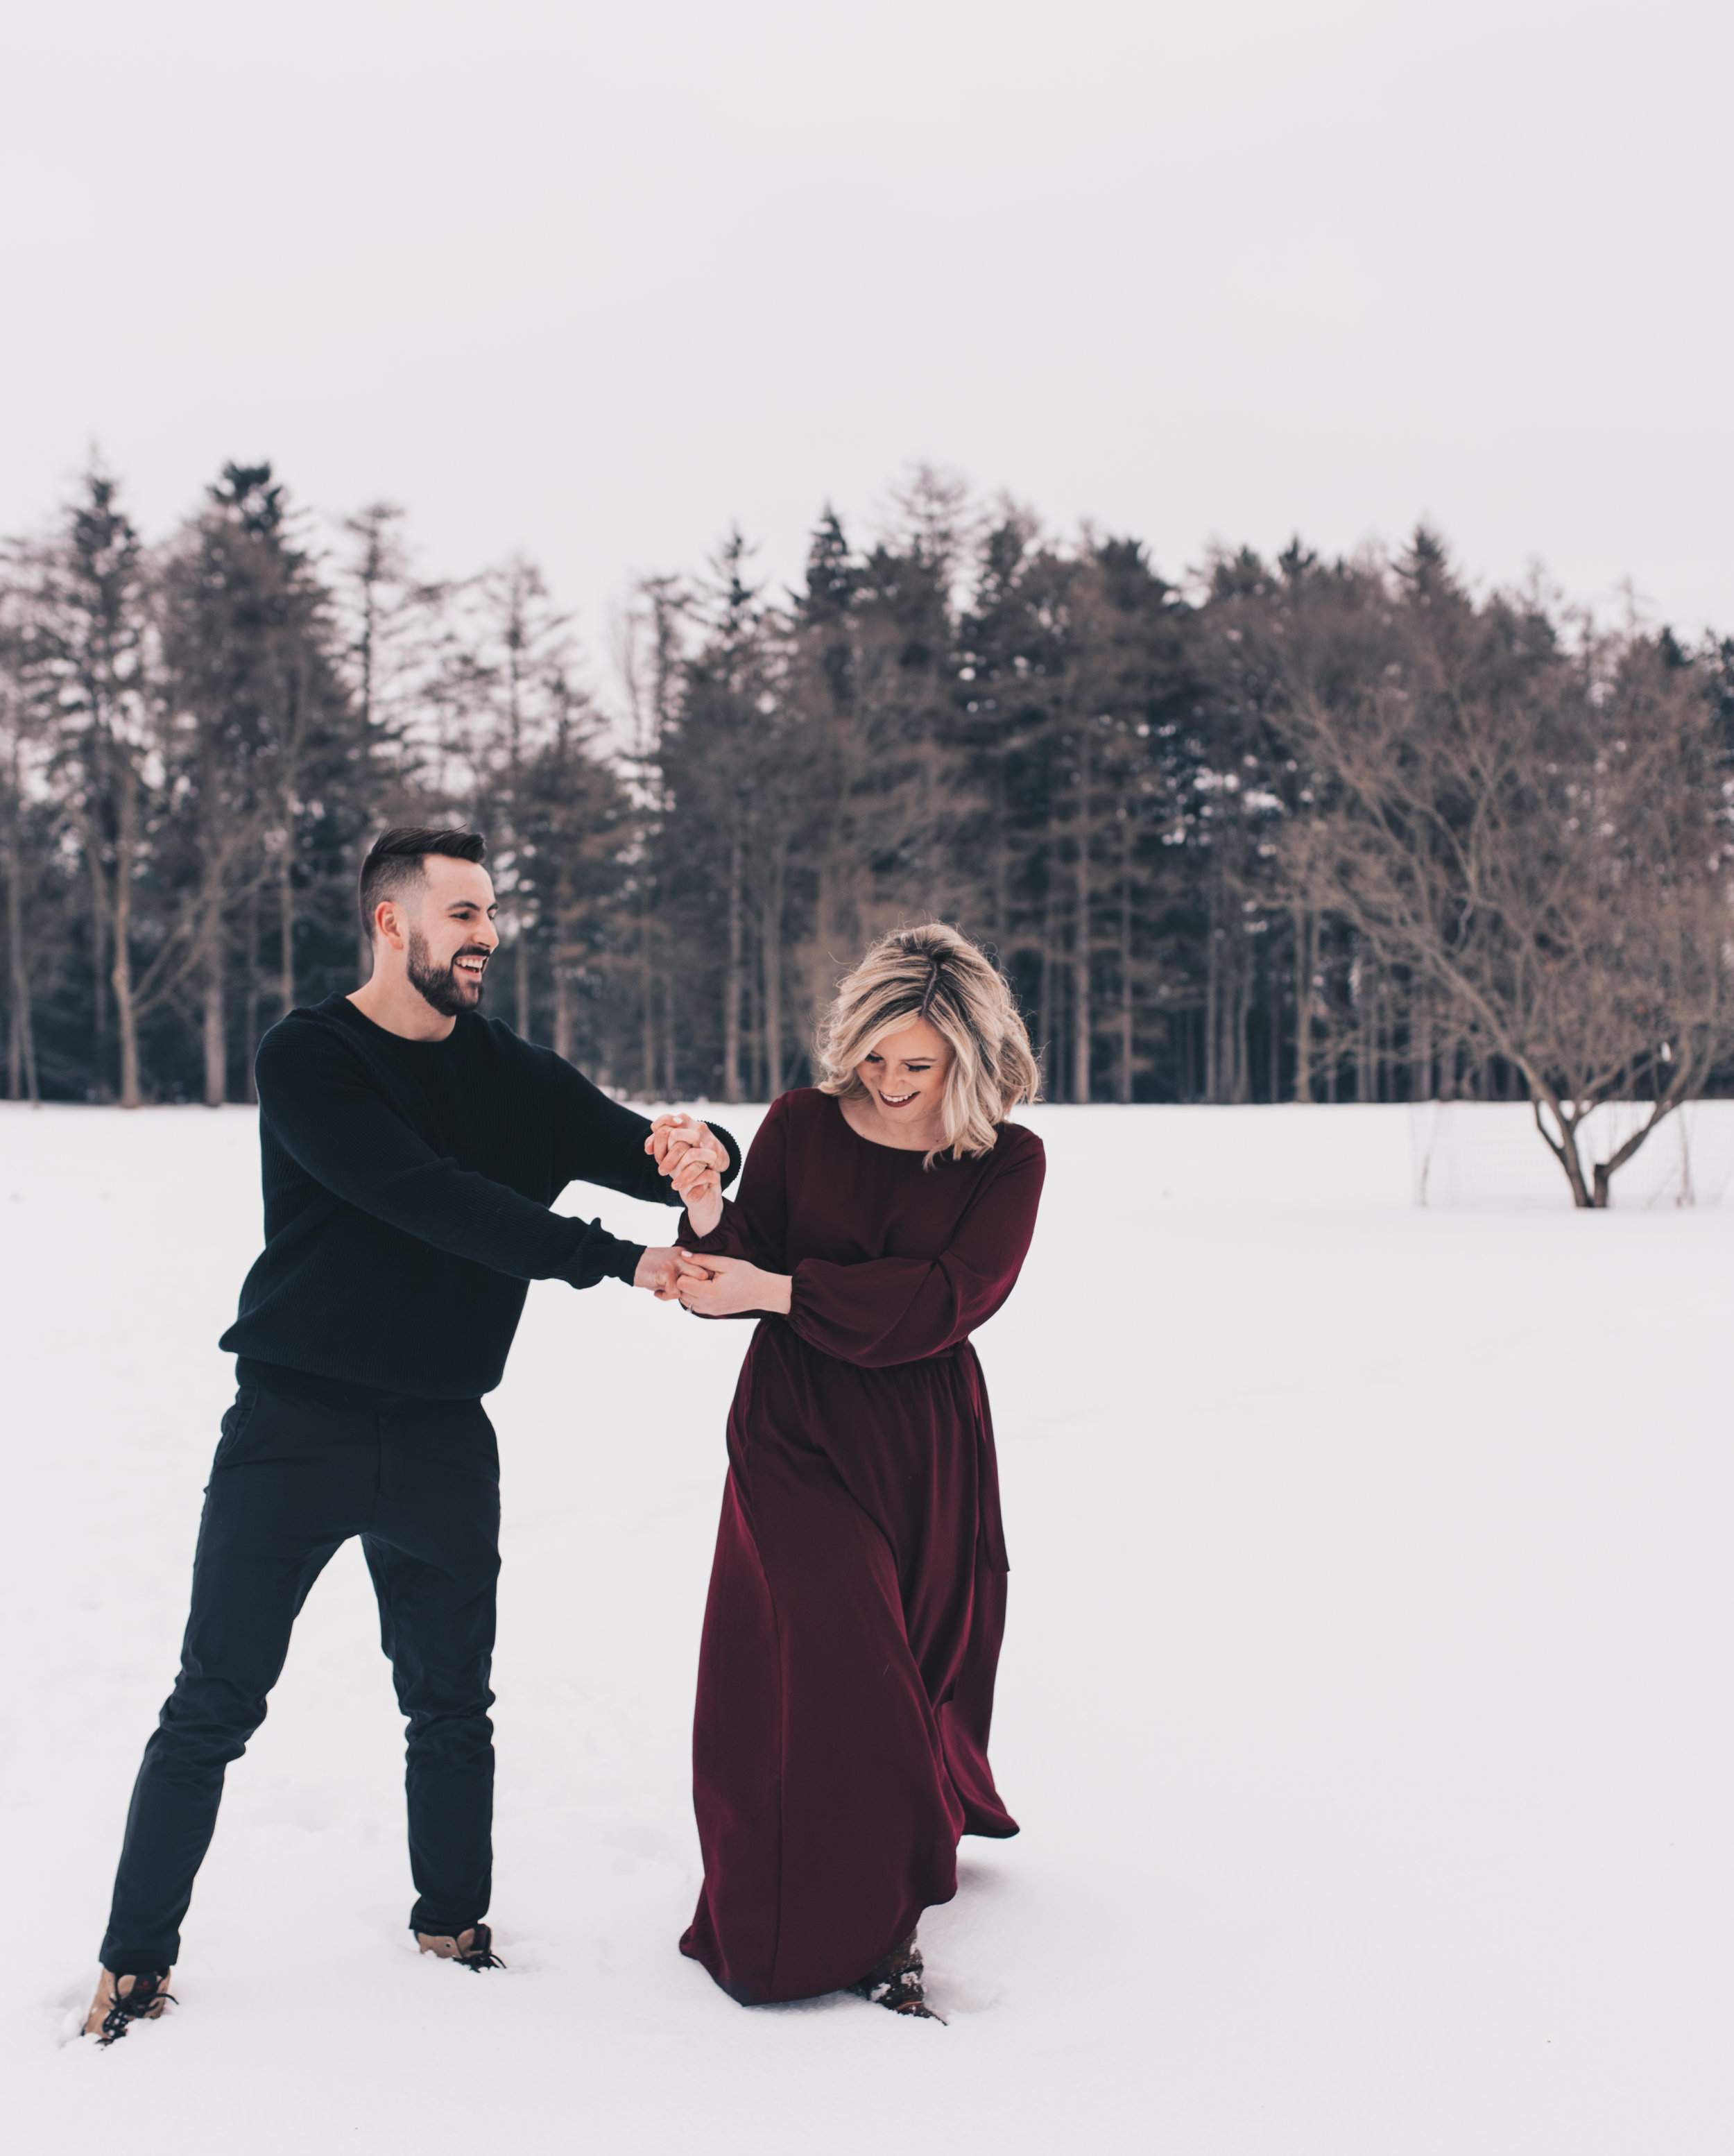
(441, 987)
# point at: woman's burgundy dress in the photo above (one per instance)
(858, 1597)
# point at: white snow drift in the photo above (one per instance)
(1366, 1701)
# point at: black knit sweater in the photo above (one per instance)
(406, 1190)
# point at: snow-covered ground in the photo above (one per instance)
(1368, 1700)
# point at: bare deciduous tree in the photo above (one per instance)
(1538, 836)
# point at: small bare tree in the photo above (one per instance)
(1539, 837)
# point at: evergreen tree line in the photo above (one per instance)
(1302, 830)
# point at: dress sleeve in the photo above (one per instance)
(755, 1224)
(899, 1310)
(343, 1132)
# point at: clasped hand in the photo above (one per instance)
(693, 1158)
(726, 1287)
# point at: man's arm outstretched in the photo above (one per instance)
(602, 1141)
(337, 1125)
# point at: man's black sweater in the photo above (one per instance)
(406, 1190)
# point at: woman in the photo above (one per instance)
(858, 1596)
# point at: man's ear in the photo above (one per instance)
(388, 924)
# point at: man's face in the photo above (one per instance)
(449, 933)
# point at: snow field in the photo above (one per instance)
(1365, 1699)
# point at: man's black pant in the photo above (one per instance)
(291, 1480)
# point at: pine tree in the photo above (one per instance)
(84, 663)
(256, 720)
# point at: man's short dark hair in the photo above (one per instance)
(395, 861)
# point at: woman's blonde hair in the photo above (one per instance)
(935, 973)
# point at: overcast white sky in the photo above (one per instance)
(592, 281)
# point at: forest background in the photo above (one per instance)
(1299, 830)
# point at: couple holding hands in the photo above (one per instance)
(411, 1151)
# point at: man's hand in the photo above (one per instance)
(724, 1288)
(660, 1270)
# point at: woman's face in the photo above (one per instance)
(904, 1073)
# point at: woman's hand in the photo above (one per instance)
(694, 1159)
(698, 1181)
(672, 1135)
(703, 1207)
(724, 1288)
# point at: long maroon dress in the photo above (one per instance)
(857, 1595)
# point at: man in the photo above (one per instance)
(410, 1150)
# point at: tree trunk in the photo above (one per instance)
(731, 986)
(1082, 939)
(125, 1017)
(1000, 863)
(216, 1042)
(1380, 1013)
(21, 1040)
(1082, 1032)
(1421, 1044)
(1123, 1088)
(98, 966)
(1303, 964)
(773, 978)
(520, 977)
(752, 1039)
(647, 989)
(560, 956)
(1052, 1070)
(1564, 1149)
(249, 1025)
(563, 1012)
(286, 934)
(364, 937)
(1241, 1003)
